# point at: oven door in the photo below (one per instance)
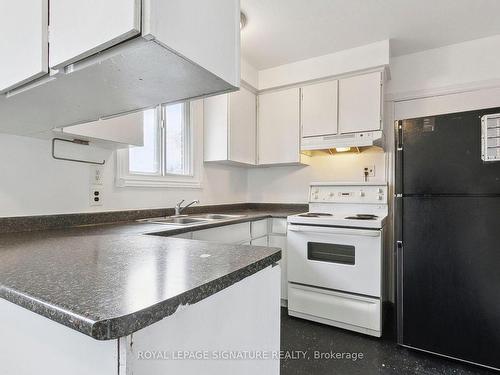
(342, 259)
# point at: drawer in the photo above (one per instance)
(278, 226)
(358, 313)
(259, 228)
(236, 233)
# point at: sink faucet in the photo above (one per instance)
(179, 208)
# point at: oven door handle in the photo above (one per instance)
(332, 230)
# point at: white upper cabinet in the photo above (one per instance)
(243, 126)
(81, 28)
(360, 103)
(230, 127)
(279, 127)
(23, 41)
(216, 128)
(149, 52)
(207, 32)
(116, 132)
(319, 109)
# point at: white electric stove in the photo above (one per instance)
(335, 256)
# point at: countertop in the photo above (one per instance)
(108, 281)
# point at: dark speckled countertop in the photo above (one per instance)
(108, 281)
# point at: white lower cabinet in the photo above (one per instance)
(235, 233)
(276, 240)
(259, 228)
(186, 236)
(32, 344)
(265, 232)
(262, 241)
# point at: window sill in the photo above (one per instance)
(161, 182)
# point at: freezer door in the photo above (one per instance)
(442, 155)
(449, 277)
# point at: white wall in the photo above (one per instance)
(455, 66)
(290, 184)
(32, 183)
(351, 60)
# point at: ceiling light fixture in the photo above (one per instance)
(342, 149)
(243, 20)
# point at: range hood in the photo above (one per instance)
(361, 139)
(157, 66)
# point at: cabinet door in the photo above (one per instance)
(360, 103)
(279, 129)
(236, 233)
(280, 241)
(23, 41)
(81, 28)
(262, 241)
(319, 109)
(215, 128)
(126, 130)
(243, 126)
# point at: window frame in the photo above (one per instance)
(124, 178)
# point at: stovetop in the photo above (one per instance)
(340, 219)
(353, 205)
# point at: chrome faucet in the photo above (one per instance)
(179, 208)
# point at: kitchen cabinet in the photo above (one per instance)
(319, 109)
(230, 127)
(276, 240)
(81, 28)
(149, 52)
(117, 132)
(360, 103)
(265, 232)
(279, 127)
(259, 228)
(234, 233)
(215, 324)
(23, 42)
(262, 241)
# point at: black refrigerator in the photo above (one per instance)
(447, 231)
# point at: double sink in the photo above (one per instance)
(190, 220)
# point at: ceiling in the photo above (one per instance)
(283, 31)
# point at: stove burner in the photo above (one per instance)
(314, 214)
(362, 217)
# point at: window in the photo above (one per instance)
(167, 157)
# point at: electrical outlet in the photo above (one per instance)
(96, 175)
(370, 169)
(95, 196)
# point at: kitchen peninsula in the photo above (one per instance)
(100, 298)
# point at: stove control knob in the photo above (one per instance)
(380, 197)
(331, 195)
(380, 191)
(361, 193)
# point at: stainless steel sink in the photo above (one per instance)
(177, 220)
(190, 220)
(219, 216)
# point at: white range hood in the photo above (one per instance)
(361, 139)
